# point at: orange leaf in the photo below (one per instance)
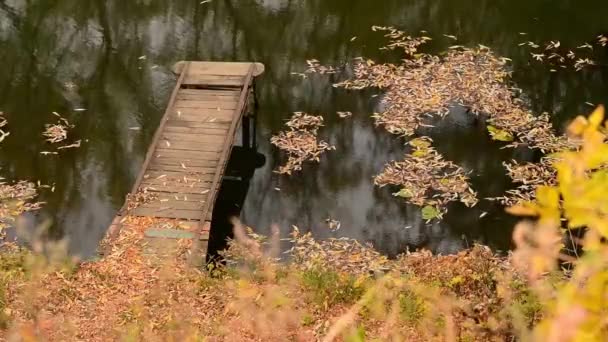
(526, 209)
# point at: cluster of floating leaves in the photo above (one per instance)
(528, 176)
(3, 122)
(300, 142)
(427, 180)
(58, 132)
(315, 67)
(15, 199)
(400, 40)
(425, 85)
(535, 132)
(343, 254)
(429, 85)
(557, 56)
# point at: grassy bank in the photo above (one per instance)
(358, 295)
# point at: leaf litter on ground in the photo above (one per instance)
(141, 197)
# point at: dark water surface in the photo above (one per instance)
(68, 54)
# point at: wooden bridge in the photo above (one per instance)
(188, 155)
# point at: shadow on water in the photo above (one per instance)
(243, 162)
(112, 58)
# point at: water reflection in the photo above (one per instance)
(113, 57)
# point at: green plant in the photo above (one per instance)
(357, 335)
(412, 306)
(12, 266)
(330, 287)
(307, 320)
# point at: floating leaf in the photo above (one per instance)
(430, 212)
(420, 143)
(420, 153)
(405, 193)
(499, 134)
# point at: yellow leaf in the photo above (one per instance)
(547, 196)
(500, 134)
(577, 127)
(596, 118)
(420, 143)
(420, 153)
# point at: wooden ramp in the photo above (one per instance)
(184, 166)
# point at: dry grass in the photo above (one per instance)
(336, 288)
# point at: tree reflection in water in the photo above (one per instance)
(113, 57)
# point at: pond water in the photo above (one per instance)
(64, 55)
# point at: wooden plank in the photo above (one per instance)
(199, 138)
(169, 234)
(222, 68)
(197, 163)
(176, 188)
(176, 175)
(171, 214)
(179, 197)
(214, 80)
(186, 155)
(178, 167)
(202, 112)
(157, 184)
(208, 97)
(200, 120)
(184, 190)
(207, 146)
(163, 212)
(214, 93)
(205, 104)
(232, 93)
(206, 122)
(206, 125)
(218, 77)
(173, 204)
(218, 130)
